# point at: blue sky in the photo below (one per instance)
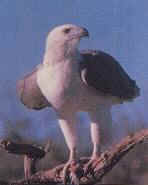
(116, 26)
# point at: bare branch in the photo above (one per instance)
(22, 149)
(106, 162)
(32, 155)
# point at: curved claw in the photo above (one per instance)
(69, 173)
(66, 173)
(90, 166)
(74, 179)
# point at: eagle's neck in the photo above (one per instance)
(58, 53)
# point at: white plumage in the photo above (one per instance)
(73, 81)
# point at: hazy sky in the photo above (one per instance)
(119, 27)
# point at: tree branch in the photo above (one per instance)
(106, 162)
(22, 149)
(32, 154)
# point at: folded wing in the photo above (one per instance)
(29, 92)
(102, 72)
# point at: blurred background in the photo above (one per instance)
(117, 27)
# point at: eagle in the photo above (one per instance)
(70, 81)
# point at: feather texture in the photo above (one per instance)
(102, 72)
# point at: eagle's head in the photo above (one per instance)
(66, 35)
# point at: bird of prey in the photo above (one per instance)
(70, 80)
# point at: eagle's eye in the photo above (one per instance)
(67, 30)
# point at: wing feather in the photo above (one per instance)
(102, 72)
(29, 92)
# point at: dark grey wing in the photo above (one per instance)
(102, 72)
(29, 92)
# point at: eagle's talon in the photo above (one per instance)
(69, 173)
(90, 166)
(74, 179)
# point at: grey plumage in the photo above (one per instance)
(29, 92)
(105, 74)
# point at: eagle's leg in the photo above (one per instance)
(95, 137)
(68, 127)
(100, 122)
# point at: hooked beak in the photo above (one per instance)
(85, 32)
(79, 33)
